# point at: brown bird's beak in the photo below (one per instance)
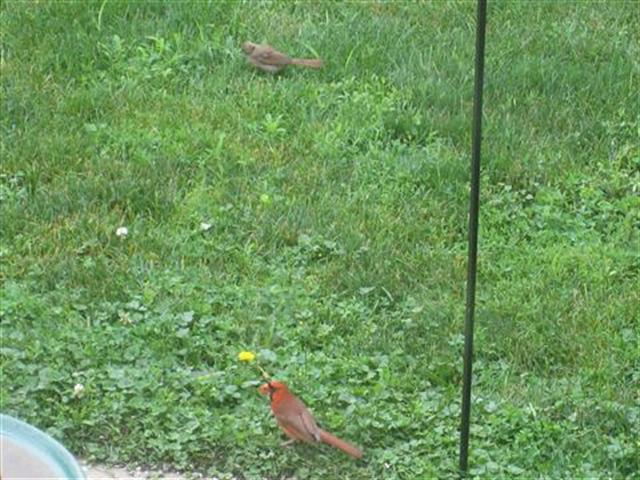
(248, 47)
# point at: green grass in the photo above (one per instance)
(338, 205)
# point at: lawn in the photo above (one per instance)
(318, 218)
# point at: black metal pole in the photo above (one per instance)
(474, 207)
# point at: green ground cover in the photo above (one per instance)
(336, 202)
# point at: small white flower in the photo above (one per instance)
(122, 232)
(78, 390)
(204, 226)
(124, 318)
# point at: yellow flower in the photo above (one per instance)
(246, 356)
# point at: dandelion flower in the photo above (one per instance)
(246, 356)
(265, 199)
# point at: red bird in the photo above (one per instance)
(296, 421)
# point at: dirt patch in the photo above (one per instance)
(98, 472)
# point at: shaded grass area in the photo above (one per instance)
(337, 203)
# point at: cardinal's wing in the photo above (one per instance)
(268, 56)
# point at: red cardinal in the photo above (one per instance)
(296, 421)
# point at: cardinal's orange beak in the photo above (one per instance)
(264, 389)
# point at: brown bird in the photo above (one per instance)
(296, 421)
(271, 60)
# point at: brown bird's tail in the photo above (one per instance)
(334, 441)
(311, 63)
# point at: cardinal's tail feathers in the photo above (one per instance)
(334, 441)
(311, 63)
